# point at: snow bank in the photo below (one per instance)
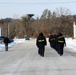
(71, 44)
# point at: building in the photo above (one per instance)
(0, 28)
(74, 29)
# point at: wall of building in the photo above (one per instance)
(0, 31)
(74, 29)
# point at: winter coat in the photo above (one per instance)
(41, 41)
(6, 40)
(61, 40)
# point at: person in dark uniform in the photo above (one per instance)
(51, 40)
(54, 41)
(61, 42)
(41, 42)
(6, 41)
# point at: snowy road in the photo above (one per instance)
(22, 59)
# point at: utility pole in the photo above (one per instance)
(8, 28)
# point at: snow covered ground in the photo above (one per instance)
(23, 59)
(70, 44)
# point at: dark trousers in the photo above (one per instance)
(41, 51)
(60, 48)
(6, 46)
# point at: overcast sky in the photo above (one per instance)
(18, 8)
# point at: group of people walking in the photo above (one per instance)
(56, 42)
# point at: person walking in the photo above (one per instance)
(61, 42)
(51, 40)
(41, 42)
(6, 41)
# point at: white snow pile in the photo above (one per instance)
(71, 44)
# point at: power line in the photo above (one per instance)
(40, 3)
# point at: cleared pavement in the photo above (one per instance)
(23, 59)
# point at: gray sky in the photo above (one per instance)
(18, 8)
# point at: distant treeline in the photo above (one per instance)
(49, 22)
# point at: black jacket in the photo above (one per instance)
(61, 40)
(41, 41)
(6, 40)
